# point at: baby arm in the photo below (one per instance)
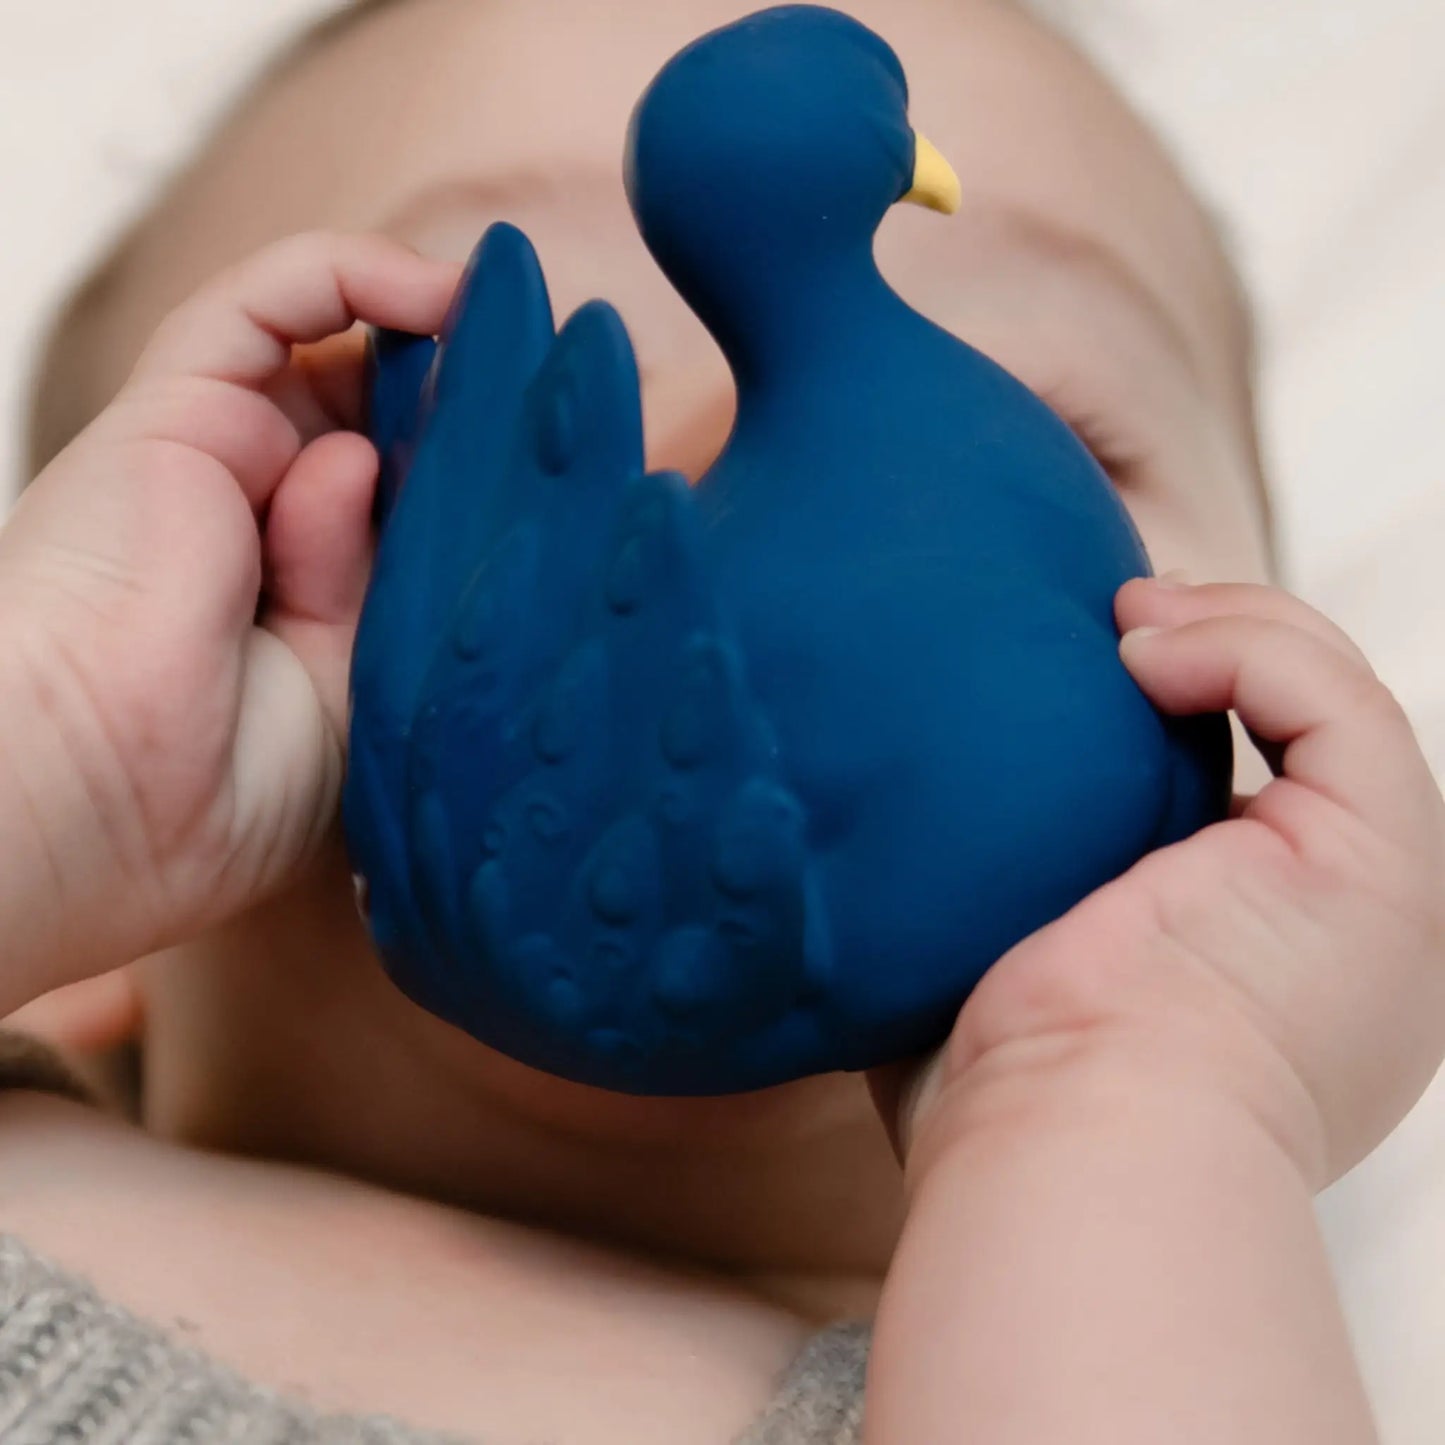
(178, 590)
(1110, 1167)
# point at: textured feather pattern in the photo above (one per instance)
(568, 809)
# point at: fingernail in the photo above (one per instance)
(1138, 634)
(1175, 578)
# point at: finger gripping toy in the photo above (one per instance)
(687, 791)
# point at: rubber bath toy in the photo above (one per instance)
(691, 791)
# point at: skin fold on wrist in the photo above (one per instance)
(1106, 1072)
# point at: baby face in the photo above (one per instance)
(1078, 260)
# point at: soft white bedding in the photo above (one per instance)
(1318, 129)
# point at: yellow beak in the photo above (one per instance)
(934, 183)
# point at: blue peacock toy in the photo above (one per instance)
(682, 791)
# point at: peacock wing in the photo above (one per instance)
(598, 865)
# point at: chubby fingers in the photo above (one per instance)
(1294, 680)
(317, 554)
(241, 326)
(265, 358)
(1169, 601)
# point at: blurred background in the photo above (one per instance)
(1316, 128)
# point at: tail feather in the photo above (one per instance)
(397, 368)
(566, 802)
(454, 442)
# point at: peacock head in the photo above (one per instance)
(764, 156)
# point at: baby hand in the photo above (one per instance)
(178, 594)
(1292, 956)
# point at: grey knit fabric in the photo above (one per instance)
(74, 1368)
(77, 1370)
(820, 1399)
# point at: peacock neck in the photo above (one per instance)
(824, 337)
(824, 388)
(779, 316)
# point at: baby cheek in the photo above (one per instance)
(688, 418)
(1172, 547)
(1179, 538)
